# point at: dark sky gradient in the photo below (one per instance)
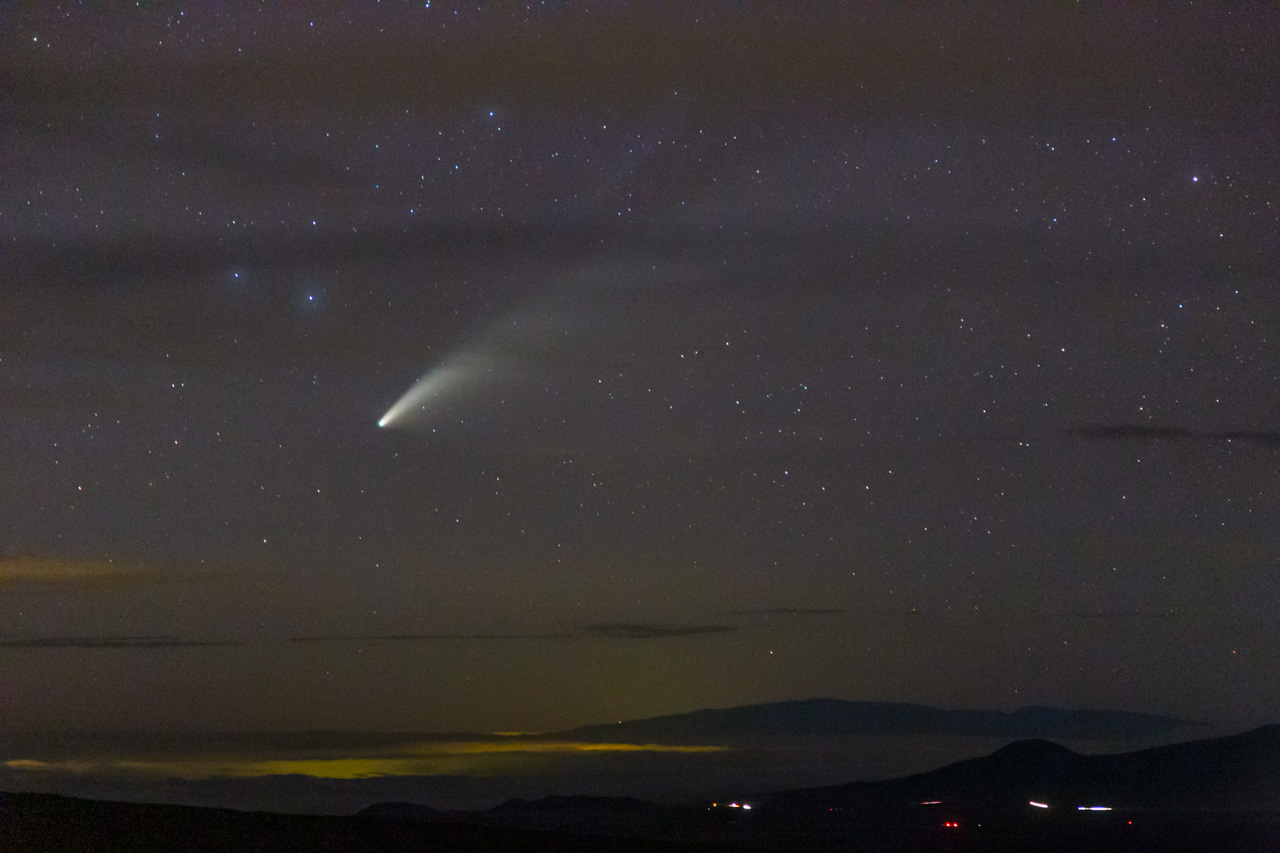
(904, 356)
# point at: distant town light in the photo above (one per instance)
(1093, 808)
(931, 803)
(1040, 805)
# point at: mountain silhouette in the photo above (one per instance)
(1238, 772)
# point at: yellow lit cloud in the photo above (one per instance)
(55, 572)
(422, 759)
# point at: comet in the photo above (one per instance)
(552, 341)
(451, 378)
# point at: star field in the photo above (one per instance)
(883, 356)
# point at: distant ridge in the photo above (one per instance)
(1221, 794)
(1216, 794)
(1238, 772)
(825, 717)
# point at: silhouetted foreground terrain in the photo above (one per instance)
(779, 746)
(49, 824)
(1211, 795)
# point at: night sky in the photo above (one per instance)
(444, 369)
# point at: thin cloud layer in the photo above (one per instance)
(1136, 432)
(791, 611)
(1122, 615)
(421, 638)
(646, 631)
(605, 630)
(108, 643)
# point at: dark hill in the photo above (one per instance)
(1239, 772)
(47, 823)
